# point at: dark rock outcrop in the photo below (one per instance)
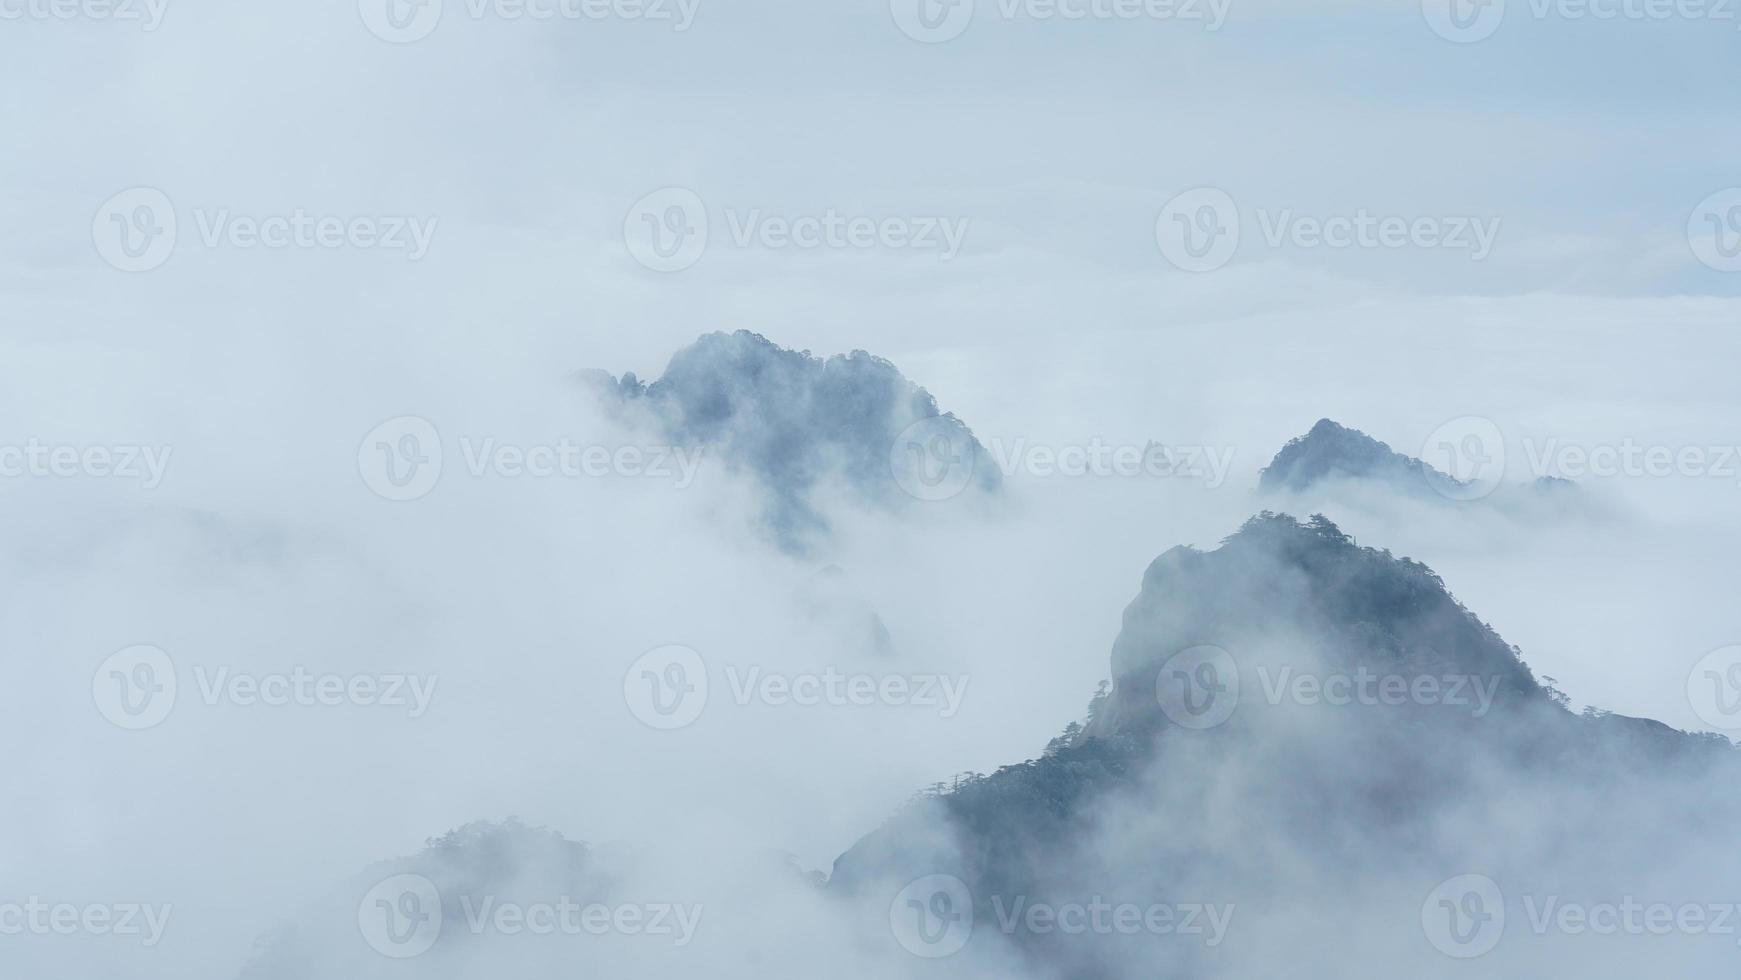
(798, 424)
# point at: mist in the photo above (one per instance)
(205, 477)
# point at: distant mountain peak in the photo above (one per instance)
(1332, 451)
(829, 599)
(1280, 577)
(794, 422)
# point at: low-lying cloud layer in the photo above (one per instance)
(313, 549)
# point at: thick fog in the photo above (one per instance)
(367, 655)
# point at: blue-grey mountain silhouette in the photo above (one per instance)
(1293, 793)
(796, 423)
(830, 601)
(1331, 451)
(1290, 803)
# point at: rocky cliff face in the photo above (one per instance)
(801, 426)
(1331, 451)
(1280, 594)
(1304, 739)
(1292, 716)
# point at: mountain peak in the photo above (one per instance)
(1331, 450)
(1329, 701)
(793, 422)
(1304, 592)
